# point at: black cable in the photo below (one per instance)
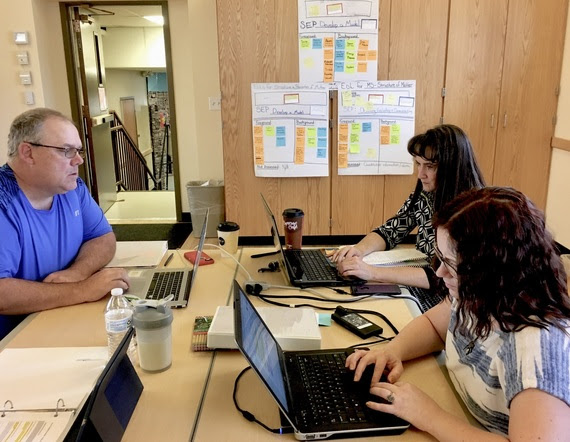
(249, 416)
(267, 298)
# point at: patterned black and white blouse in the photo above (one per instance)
(399, 226)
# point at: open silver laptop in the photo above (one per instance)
(156, 284)
(314, 391)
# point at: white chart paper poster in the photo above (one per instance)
(338, 40)
(290, 129)
(376, 119)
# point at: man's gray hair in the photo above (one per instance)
(28, 127)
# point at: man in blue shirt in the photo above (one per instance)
(55, 239)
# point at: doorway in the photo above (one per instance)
(115, 50)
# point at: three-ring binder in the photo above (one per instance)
(59, 408)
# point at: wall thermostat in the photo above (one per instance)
(21, 37)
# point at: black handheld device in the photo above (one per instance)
(356, 323)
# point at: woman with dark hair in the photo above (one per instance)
(505, 326)
(446, 166)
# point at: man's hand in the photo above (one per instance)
(102, 282)
(68, 275)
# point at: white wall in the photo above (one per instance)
(136, 48)
(129, 83)
(558, 200)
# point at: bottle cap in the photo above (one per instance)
(149, 317)
(117, 291)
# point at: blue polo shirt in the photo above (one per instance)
(35, 243)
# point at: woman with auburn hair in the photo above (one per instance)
(505, 326)
(446, 166)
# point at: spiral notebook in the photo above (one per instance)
(397, 257)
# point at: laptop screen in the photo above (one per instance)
(273, 224)
(259, 346)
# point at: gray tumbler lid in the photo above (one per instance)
(148, 317)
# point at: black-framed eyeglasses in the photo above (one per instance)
(69, 152)
(450, 267)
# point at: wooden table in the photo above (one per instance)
(193, 399)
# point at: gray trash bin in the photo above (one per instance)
(201, 196)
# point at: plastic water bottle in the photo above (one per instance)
(118, 319)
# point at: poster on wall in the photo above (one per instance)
(376, 119)
(338, 40)
(290, 129)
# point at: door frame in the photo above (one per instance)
(74, 87)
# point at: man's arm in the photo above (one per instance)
(92, 256)
(18, 296)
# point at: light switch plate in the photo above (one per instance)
(214, 103)
(29, 97)
(26, 77)
(23, 57)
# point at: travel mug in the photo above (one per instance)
(153, 325)
(228, 235)
(293, 219)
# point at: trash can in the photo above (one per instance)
(201, 196)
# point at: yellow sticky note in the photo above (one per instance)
(395, 129)
(354, 138)
(360, 101)
(342, 160)
(354, 148)
(347, 98)
(305, 43)
(309, 62)
(269, 131)
(314, 11)
(350, 56)
(395, 139)
(354, 127)
(368, 106)
(349, 68)
(312, 132)
(371, 153)
(311, 142)
(350, 44)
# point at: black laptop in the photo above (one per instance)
(297, 380)
(307, 267)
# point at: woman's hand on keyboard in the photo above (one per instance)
(384, 359)
(354, 266)
(346, 252)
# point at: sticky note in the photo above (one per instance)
(257, 130)
(280, 131)
(322, 131)
(305, 43)
(317, 43)
(269, 131)
(354, 138)
(329, 42)
(321, 153)
(340, 43)
(372, 55)
(338, 55)
(362, 67)
(351, 44)
(339, 66)
(280, 142)
(328, 54)
(342, 160)
(366, 127)
(354, 148)
(349, 68)
(311, 142)
(311, 132)
(350, 56)
(355, 127)
(322, 142)
(347, 98)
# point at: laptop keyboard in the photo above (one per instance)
(164, 284)
(325, 380)
(314, 264)
(426, 298)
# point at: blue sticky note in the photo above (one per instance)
(325, 319)
(339, 66)
(280, 141)
(340, 43)
(367, 127)
(322, 132)
(322, 142)
(317, 43)
(338, 55)
(321, 153)
(280, 131)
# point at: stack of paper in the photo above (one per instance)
(138, 253)
(397, 257)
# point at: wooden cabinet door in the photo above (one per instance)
(531, 75)
(418, 38)
(257, 43)
(474, 67)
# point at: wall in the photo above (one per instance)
(558, 201)
(136, 48)
(126, 83)
(194, 62)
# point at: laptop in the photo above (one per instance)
(307, 267)
(112, 401)
(288, 377)
(156, 284)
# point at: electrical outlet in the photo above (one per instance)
(214, 103)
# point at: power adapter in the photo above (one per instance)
(356, 323)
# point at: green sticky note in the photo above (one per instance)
(311, 132)
(311, 142)
(305, 43)
(269, 131)
(325, 319)
(355, 138)
(355, 127)
(354, 148)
